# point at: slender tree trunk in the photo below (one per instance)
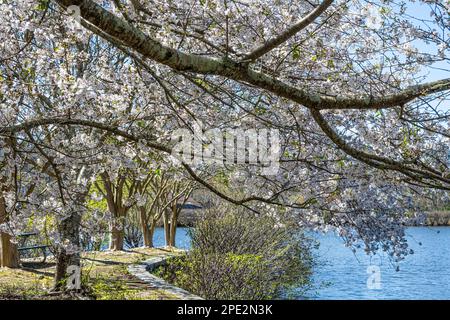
(9, 256)
(117, 234)
(170, 226)
(173, 227)
(166, 220)
(173, 232)
(148, 241)
(70, 232)
(151, 232)
(148, 233)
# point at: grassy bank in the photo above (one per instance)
(438, 218)
(105, 276)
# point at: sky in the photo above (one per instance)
(439, 70)
(442, 70)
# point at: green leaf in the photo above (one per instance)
(296, 53)
(330, 64)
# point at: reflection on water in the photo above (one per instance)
(423, 275)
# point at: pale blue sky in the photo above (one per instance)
(442, 71)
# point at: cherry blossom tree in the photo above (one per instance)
(87, 85)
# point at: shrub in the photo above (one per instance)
(133, 237)
(239, 255)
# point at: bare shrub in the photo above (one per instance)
(239, 255)
(133, 237)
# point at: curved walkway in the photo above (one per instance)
(142, 272)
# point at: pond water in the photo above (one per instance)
(182, 239)
(344, 275)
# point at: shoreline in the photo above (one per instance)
(435, 218)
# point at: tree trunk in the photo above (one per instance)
(148, 233)
(173, 225)
(148, 237)
(148, 243)
(62, 261)
(173, 231)
(151, 232)
(117, 231)
(116, 240)
(166, 220)
(69, 231)
(9, 256)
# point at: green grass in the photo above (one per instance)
(104, 277)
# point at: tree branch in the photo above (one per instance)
(78, 122)
(133, 38)
(289, 33)
(380, 162)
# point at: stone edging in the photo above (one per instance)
(142, 272)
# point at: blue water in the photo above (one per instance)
(343, 275)
(423, 275)
(182, 240)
